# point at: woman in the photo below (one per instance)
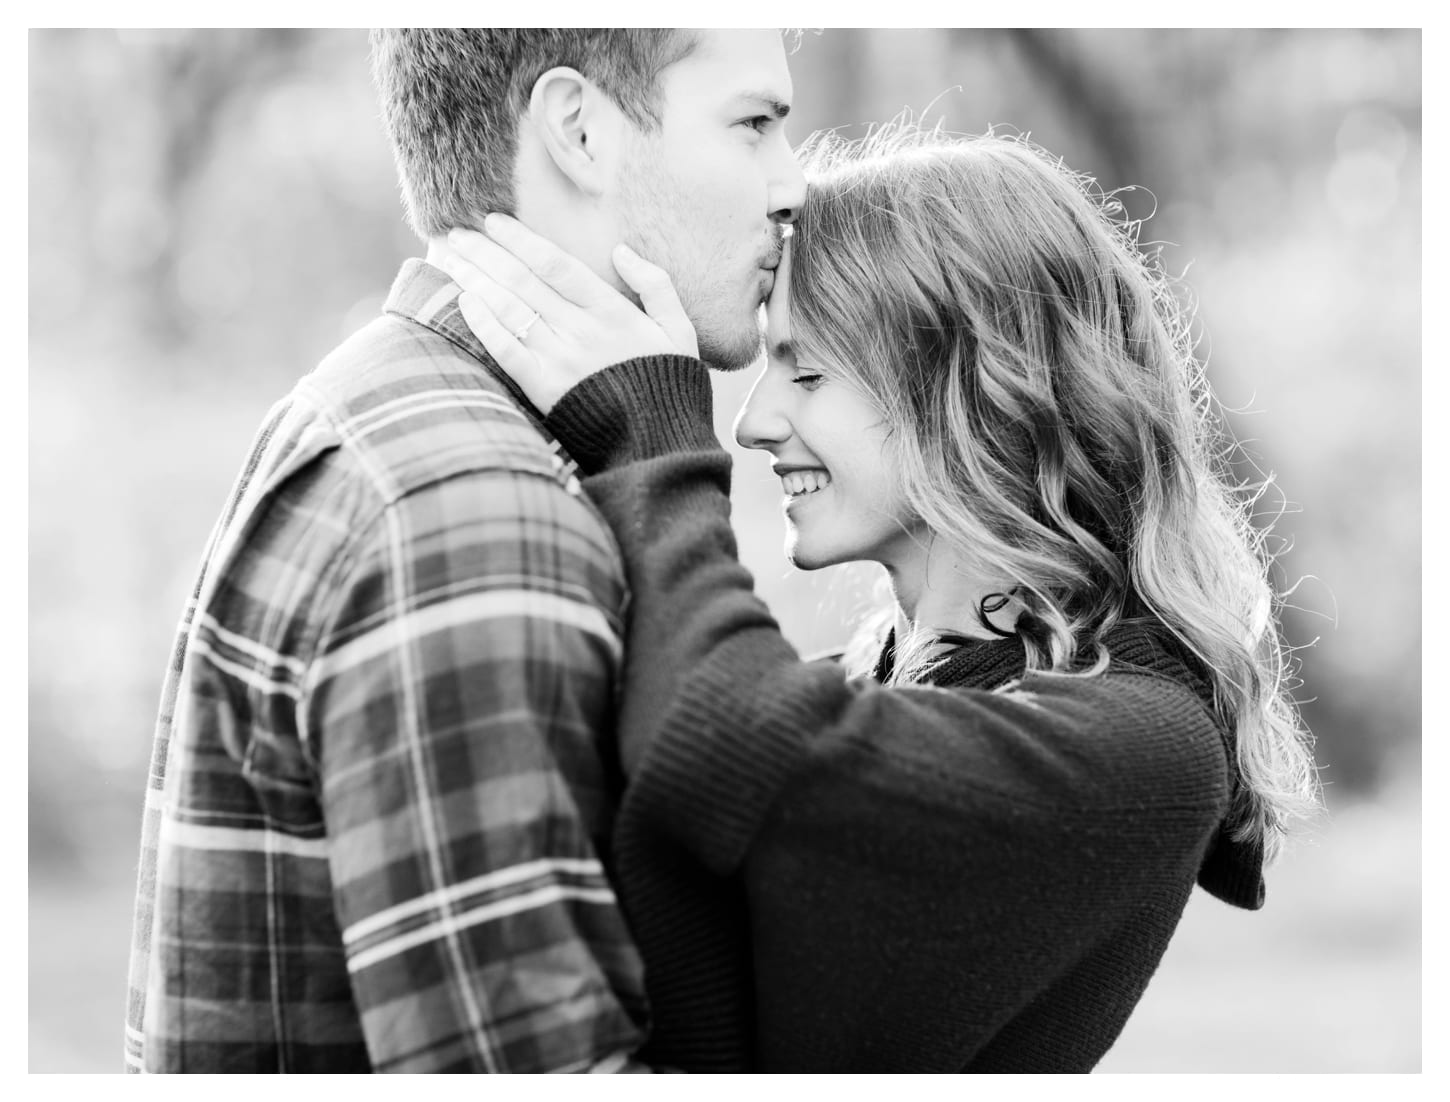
(968, 847)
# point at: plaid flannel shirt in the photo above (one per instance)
(381, 786)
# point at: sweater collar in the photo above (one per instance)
(1232, 870)
(980, 664)
(988, 663)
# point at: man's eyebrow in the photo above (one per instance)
(772, 103)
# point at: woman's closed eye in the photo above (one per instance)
(808, 380)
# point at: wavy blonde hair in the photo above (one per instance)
(1050, 419)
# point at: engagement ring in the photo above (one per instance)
(523, 331)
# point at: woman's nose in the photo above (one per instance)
(762, 422)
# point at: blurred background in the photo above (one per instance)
(211, 211)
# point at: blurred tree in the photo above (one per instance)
(185, 80)
(1090, 96)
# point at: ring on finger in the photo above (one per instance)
(523, 331)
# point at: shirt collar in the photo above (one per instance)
(426, 295)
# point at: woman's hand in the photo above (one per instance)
(547, 319)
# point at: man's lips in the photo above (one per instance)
(770, 263)
(772, 258)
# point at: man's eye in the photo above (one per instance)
(758, 123)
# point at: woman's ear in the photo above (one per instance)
(579, 127)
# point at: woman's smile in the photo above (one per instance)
(798, 482)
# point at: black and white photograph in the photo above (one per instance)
(717, 551)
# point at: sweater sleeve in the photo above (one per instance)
(642, 433)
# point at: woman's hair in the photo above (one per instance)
(1050, 420)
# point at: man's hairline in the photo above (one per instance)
(695, 38)
(686, 42)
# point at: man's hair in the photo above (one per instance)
(451, 100)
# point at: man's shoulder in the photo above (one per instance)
(410, 408)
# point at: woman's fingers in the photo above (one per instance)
(560, 287)
(543, 384)
(505, 269)
(497, 338)
(546, 319)
(658, 297)
(519, 339)
(562, 273)
(511, 310)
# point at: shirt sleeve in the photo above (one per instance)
(457, 710)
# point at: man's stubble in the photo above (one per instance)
(662, 224)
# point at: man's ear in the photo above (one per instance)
(579, 127)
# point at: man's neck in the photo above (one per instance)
(435, 247)
(588, 245)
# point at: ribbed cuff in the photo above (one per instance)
(638, 409)
(1233, 872)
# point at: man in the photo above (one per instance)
(384, 774)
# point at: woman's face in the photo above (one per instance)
(843, 494)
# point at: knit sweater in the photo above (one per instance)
(827, 874)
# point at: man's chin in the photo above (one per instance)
(732, 355)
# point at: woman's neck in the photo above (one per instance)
(940, 594)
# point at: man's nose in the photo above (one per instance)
(762, 422)
(788, 191)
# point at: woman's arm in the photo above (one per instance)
(702, 640)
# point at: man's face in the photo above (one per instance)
(706, 195)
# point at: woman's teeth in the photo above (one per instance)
(804, 482)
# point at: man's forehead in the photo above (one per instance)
(740, 62)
